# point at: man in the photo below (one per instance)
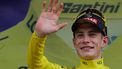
(90, 37)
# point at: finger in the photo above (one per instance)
(50, 6)
(44, 6)
(55, 5)
(62, 25)
(60, 9)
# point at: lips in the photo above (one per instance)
(86, 47)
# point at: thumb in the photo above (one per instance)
(62, 25)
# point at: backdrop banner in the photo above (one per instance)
(17, 21)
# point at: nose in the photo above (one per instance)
(86, 39)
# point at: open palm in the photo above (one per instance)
(47, 22)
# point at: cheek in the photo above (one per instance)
(76, 42)
(97, 47)
(97, 44)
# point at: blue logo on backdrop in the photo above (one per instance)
(12, 12)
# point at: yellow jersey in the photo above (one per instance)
(37, 60)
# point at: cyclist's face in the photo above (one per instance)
(89, 41)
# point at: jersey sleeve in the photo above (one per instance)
(36, 58)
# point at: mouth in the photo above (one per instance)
(86, 48)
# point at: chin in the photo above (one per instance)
(88, 55)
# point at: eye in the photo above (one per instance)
(79, 35)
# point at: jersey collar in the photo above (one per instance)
(91, 63)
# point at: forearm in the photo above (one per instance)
(35, 51)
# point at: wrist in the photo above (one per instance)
(40, 35)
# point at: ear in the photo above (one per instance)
(105, 41)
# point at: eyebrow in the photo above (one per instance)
(92, 30)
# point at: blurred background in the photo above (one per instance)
(17, 21)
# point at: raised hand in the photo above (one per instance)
(47, 22)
